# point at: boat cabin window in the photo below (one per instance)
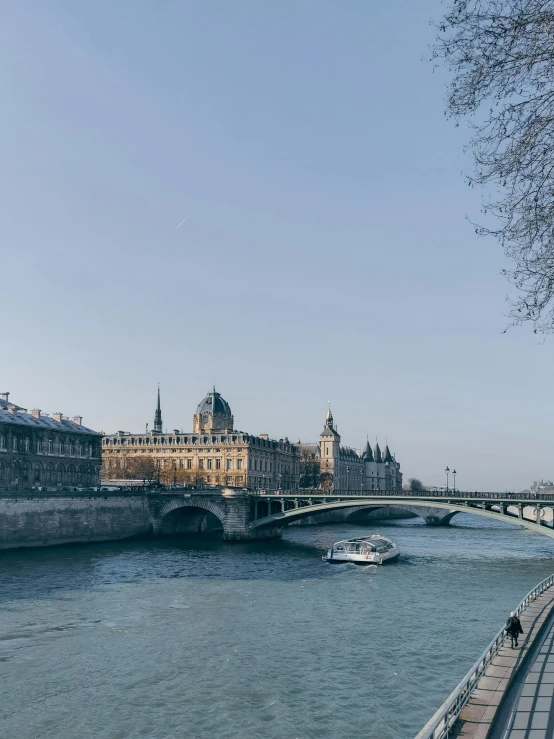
(353, 547)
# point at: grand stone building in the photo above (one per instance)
(38, 450)
(214, 452)
(340, 468)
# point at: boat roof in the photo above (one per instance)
(375, 537)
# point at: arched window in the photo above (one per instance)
(60, 474)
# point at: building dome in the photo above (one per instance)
(213, 414)
(213, 403)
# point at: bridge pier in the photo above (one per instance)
(235, 511)
(432, 521)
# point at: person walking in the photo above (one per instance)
(513, 628)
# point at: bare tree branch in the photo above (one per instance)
(501, 56)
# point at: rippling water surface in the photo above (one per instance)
(196, 638)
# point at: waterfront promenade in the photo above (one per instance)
(508, 694)
(528, 711)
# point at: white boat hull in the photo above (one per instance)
(363, 550)
(371, 558)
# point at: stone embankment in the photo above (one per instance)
(37, 520)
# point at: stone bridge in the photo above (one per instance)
(249, 515)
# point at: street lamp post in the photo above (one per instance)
(361, 480)
(454, 482)
(347, 479)
(447, 470)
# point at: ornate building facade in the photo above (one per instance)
(214, 453)
(38, 450)
(340, 468)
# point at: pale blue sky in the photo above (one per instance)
(326, 253)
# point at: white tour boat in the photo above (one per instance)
(368, 550)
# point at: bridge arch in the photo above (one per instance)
(190, 517)
(450, 510)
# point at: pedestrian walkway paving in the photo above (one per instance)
(482, 710)
(533, 716)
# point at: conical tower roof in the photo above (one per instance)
(388, 455)
(367, 454)
(377, 456)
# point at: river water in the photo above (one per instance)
(199, 639)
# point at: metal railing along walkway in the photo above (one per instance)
(442, 723)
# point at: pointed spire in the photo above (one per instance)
(388, 455)
(329, 417)
(158, 415)
(377, 456)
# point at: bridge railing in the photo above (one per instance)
(442, 723)
(450, 495)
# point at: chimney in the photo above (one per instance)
(78, 420)
(12, 409)
(57, 417)
(4, 396)
(35, 413)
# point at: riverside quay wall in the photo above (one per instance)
(48, 519)
(36, 518)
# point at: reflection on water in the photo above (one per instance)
(198, 638)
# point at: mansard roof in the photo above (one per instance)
(346, 452)
(43, 422)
